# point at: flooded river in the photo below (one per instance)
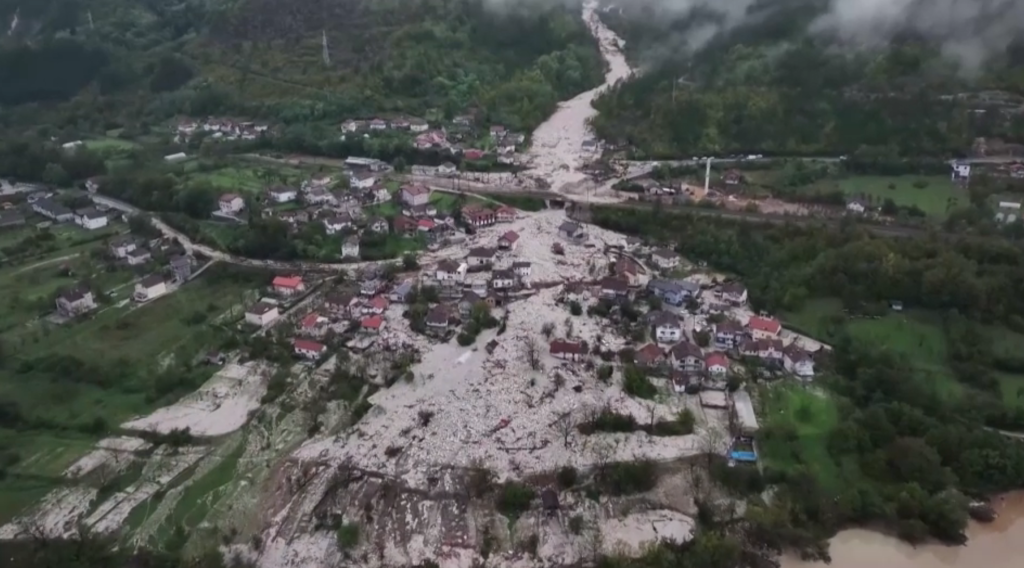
(996, 545)
(558, 151)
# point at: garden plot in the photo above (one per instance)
(219, 407)
(111, 456)
(471, 407)
(57, 516)
(165, 465)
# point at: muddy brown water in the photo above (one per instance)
(996, 545)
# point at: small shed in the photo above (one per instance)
(549, 500)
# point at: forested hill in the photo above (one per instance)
(769, 83)
(156, 58)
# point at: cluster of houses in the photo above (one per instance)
(218, 129)
(451, 137)
(89, 218)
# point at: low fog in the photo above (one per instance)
(971, 31)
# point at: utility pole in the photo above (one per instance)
(327, 51)
(707, 177)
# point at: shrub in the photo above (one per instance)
(604, 373)
(635, 383)
(575, 308)
(514, 499)
(348, 536)
(686, 420)
(629, 478)
(567, 476)
(466, 339)
(576, 524)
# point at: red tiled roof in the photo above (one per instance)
(510, 236)
(764, 324)
(307, 345)
(649, 353)
(287, 281)
(310, 320)
(373, 322)
(415, 189)
(560, 346)
(425, 224)
(379, 303)
(714, 359)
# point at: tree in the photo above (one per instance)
(55, 175)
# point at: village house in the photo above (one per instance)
(375, 306)
(415, 194)
(181, 267)
(350, 247)
(508, 241)
(308, 349)
(503, 279)
(138, 257)
(505, 214)
(53, 210)
(377, 225)
(628, 269)
(798, 361)
(340, 303)
(571, 231)
(728, 334)
(424, 211)
(1017, 171)
(447, 169)
(371, 281)
(732, 177)
(372, 324)
(379, 194)
(121, 245)
(497, 131)
(150, 287)
(674, 293)
(666, 327)
(614, 288)
(231, 204)
(288, 285)
(469, 300)
(478, 217)
(352, 126)
(474, 154)
(717, 364)
(90, 219)
(282, 194)
(403, 225)
(687, 357)
(733, 292)
(480, 256)
(769, 351)
(568, 350)
(763, 328)
(665, 259)
(293, 218)
(318, 196)
(522, 269)
(856, 206)
(261, 313)
(75, 301)
(650, 355)
(418, 125)
(313, 325)
(400, 294)
(362, 180)
(450, 271)
(334, 225)
(439, 318)
(378, 124)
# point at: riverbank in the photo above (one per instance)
(996, 545)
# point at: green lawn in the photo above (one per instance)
(936, 199)
(810, 415)
(110, 144)
(248, 177)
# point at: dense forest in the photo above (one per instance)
(752, 89)
(100, 64)
(906, 453)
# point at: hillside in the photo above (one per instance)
(768, 79)
(266, 58)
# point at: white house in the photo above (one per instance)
(447, 169)
(150, 287)
(960, 172)
(261, 314)
(308, 349)
(480, 256)
(288, 285)
(854, 206)
(717, 364)
(522, 268)
(451, 271)
(667, 327)
(138, 256)
(74, 301)
(381, 194)
(734, 293)
(334, 225)
(508, 241)
(687, 357)
(231, 203)
(350, 248)
(797, 361)
(665, 259)
(283, 194)
(364, 180)
(503, 279)
(176, 157)
(415, 194)
(763, 328)
(91, 219)
(121, 246)
(418, 125)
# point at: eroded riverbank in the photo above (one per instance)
(996, 545)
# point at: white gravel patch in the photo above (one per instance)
(113, 454)
(632, 534)
(219, 407)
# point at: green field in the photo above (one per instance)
(247, 177)
(110, 145)
(936, 199)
